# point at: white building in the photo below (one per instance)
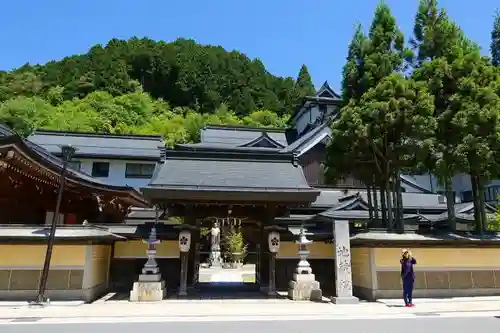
(117, 159)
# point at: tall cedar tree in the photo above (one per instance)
(495, 41)
(365, 130)
(438, 43)
(351, 73)
(476, 105)
(304, 85)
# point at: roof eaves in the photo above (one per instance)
(244, 128)
(315, 136)
(414, 184)
(98, 135)
(236, 154)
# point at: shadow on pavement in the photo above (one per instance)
(213, 290)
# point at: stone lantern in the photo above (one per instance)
(150, 286)
(304, 286)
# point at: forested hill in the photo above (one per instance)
(141, 86)
(182, 73)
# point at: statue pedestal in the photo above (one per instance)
(215, 259)
(149, 288)
(304, 287)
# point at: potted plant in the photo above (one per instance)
(235, 247)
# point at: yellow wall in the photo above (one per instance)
(318, 250)
(137, 249)
(361, 269)
(100, 264)
(441, 257)
(34, 255)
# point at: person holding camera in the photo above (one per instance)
(407, 276)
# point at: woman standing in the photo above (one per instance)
(408, 276)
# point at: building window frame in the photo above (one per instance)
(139, 170)
(100, 169)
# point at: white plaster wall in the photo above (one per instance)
(116, 172)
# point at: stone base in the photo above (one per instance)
(148, 291)
(304, 287)
(345, 300)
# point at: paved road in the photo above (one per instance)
(414, 325)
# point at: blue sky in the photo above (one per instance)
(283, 33)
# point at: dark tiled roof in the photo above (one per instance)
(225, 173)
(217, 147)
(265, 141)
(102, 145)
(408, 180)
(333, 198)
(234, 136)
(309, 140)
(437, 236)
(62, 232)
(222, 172)
(356, 215)
(427, 207)
(6, 131)
(326, 91)
(325, 95)
(140, 231)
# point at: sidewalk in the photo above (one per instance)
(215, 308)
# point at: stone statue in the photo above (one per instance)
(215, 237)
(215, 260)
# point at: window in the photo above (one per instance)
(491, 193)
(139, 170)
(75, 165)
(100, 169)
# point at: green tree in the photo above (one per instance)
(135, 112)
(183, 73)
(352, 86)
(369, 70)
(304, 86)
(439, 42)
(494, 221)
(21, 83)
(495, 41)
(476, 106)
(25, 114)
